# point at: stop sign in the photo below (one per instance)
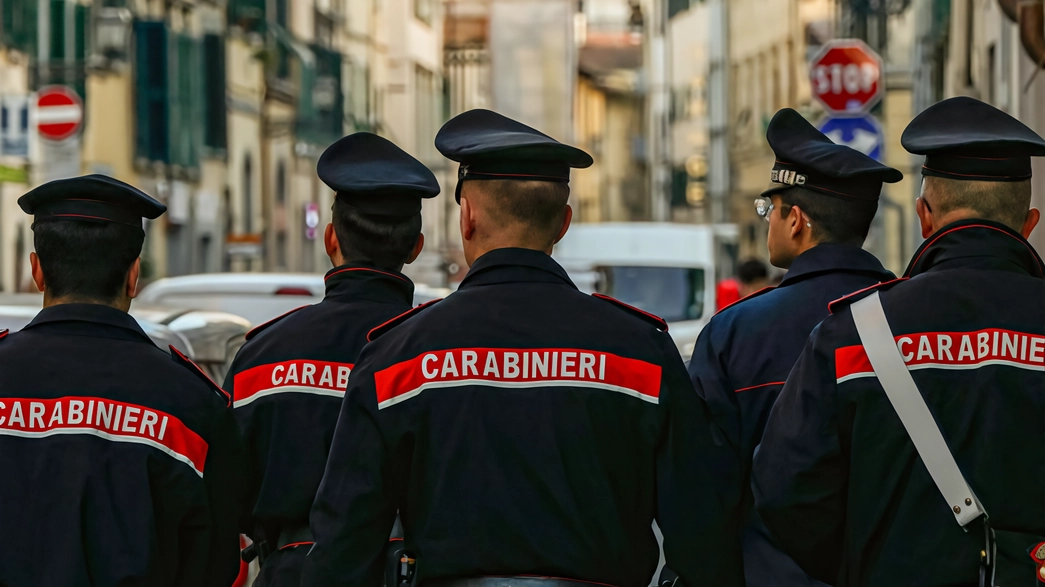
(846, 76)
(59, 112)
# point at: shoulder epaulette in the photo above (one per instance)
(389, 325)
(860, 294)
(653, 319)
(180, 358)
(254, 331)
(764, 290)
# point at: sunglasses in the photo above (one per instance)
(764, 207)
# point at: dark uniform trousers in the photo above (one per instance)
(121, 464)
(523, 427)
(745, 353)
(288, 382)
(838, 481)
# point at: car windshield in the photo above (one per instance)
(673, 293)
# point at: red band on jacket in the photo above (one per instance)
(951, 350)
(111, 420)
(298, 376)
(518, 368)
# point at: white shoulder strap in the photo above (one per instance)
(878, 342)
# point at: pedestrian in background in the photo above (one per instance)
(838, 480)
(289, 379)
(528, 434)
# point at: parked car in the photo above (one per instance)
(258, 297)
(211, 339)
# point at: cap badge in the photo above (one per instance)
(787, 177)
(462, 171)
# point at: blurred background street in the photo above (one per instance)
(221, 108)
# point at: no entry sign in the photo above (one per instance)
(846, 77)
(59, 113)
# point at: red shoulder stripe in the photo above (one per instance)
(748, 297)
(390, 324)
(848, 299)
(254, 331)
(4, 333)
(179, 357)
(653, 318)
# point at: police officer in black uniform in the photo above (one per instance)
(819, 208)
(837, 479)
(522, 428)
(121, 464)
(288, 380)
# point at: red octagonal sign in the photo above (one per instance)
(59, 112)
(846, 76)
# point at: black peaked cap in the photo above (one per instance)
(374, 176)
(90, 198)
(966, 139)
(489, 145)
(805, 157)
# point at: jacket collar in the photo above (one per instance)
(979, 244)
(833, 258)
(90, 314)
(370, 283)
(511, 265)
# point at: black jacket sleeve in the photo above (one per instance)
(800, 472)
(355, 508)
(699, 482)
(225, 478)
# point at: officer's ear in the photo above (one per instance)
(799, 221)
(132, 278)
(1033, 216)
(38, 272)
(925, 217)
(331, 244)
(418, 246)
(467, 217)
(566, 219)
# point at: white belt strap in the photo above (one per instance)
(896, 380)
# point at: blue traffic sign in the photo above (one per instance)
(862, 133)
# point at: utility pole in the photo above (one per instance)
(657, 110)
(718, 111)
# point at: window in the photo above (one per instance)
(428, 111)
(151, 94)
(424, 10)
(248, 196)
(673, 293)
(323, 29)
(214, 127)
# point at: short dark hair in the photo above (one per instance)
(384, 241)
(87, 260)
(538, 205)
(751, 271)
(1004, 202)
(835, 219)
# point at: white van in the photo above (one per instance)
(667, 269)
(258, 297)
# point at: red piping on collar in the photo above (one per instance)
(957, 228)
(363, 269)
(747, 297)
(295, 545)
(759, 385)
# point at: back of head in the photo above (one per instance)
(835, 219)
(528, 214)
(752, 271)
(1004, 202)
(86, 261)
(383, 241)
